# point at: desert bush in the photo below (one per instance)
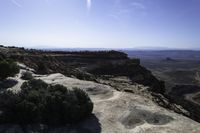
(39, 102)
(8, 69)
(27, 75)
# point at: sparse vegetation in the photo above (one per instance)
(39, 102)
(8, 69)
(86, 65)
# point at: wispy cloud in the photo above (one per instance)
(122, 9)
(16, 3)
(138, 5)
(118, 10)
(89, 4)
(114, 16)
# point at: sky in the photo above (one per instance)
(100, 23)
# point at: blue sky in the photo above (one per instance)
(100, 23)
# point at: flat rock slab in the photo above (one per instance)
(121, 112)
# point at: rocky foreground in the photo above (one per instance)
(127, 97)
(114, 112)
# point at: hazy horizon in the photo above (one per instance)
(101, 48)
(116, 24)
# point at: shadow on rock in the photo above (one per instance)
(8, 83)
(89, 125)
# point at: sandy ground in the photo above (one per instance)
(114, 112)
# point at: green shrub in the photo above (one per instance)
(8, 69)
(39, 102)
(27, 76)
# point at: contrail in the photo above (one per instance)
(16, 3)
(89, 4)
